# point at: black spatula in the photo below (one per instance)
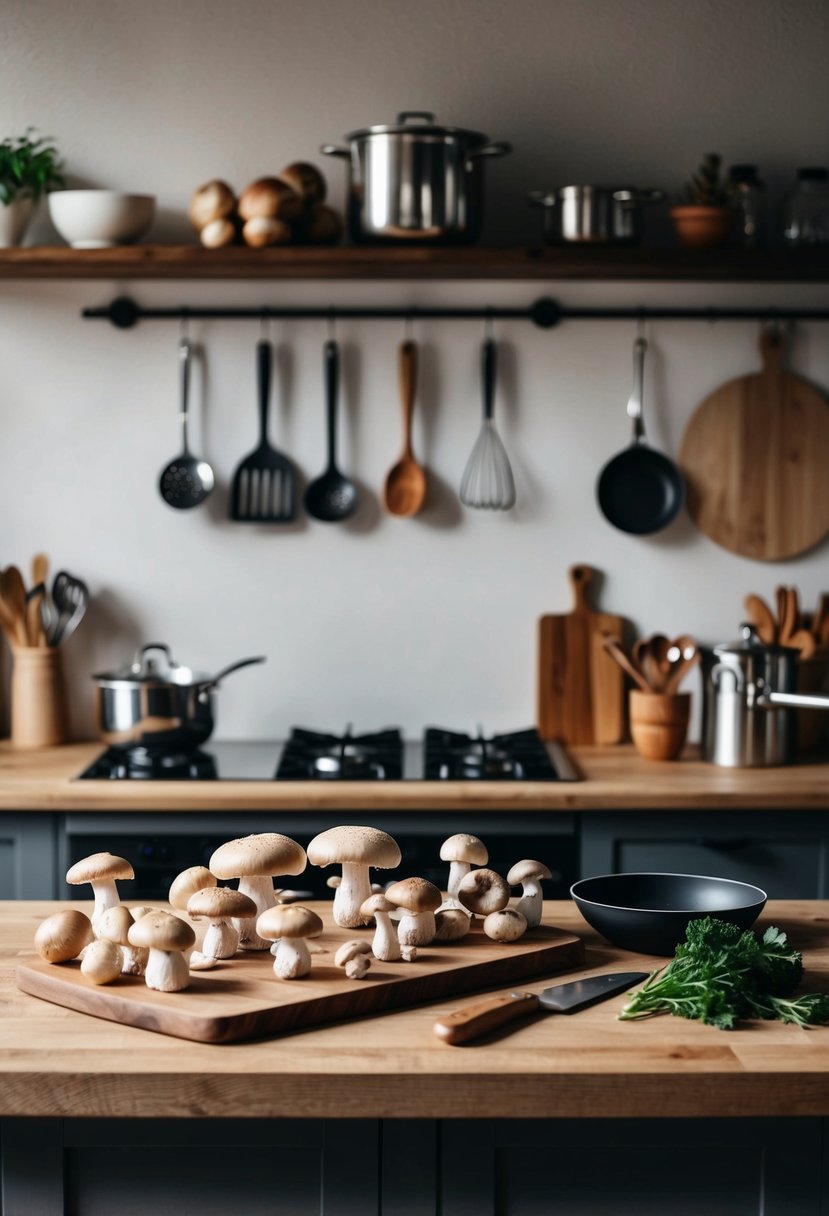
(264, 484)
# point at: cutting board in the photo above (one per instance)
(241, 998)
(581, 691)
(755, 456)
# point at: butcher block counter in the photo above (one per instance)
(614, 778)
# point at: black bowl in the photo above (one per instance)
(649, 913)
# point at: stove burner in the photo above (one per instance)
(138, 764)
(311, 755)
(451, 756)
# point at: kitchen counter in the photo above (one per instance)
(58, 1063)
(615, 778)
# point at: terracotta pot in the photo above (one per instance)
(659, 723)
(702, 227)
(14, 219)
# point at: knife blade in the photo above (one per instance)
(472, 1021)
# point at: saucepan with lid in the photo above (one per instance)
(601, 215)
(157, 704)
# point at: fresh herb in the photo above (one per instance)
(28, 165)
(721, 974)
(706, 188)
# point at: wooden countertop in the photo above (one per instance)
(55, 1062)
(616, 778)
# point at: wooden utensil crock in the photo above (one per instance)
(38, 701)
(659, 723)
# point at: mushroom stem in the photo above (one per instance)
(292, 959)
(531, 903)
(134, 959)
(221, 939)
(260, 890)
(416, 928)
(351, 894)
(385, 945)
(106, 896)
(167, 970)
(458, 870)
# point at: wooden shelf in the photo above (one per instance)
(589, 263)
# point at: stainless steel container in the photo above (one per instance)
(603, 215)
(415, 182)
(157, 704)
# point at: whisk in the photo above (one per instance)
(487, 480)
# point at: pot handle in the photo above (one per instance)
(633, 198)
(543, 198)
(333, 150)
(214, 682)
(759, 697)
(500, 149)
(138, 661)
(406, 115)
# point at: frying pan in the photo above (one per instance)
(639, 490)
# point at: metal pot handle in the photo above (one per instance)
(333, 150)
(759, 697)
(633, 198)
(725, 669)
(543, 198)
(500, 149)
(405, 115)
(138, 661)
(214, 682)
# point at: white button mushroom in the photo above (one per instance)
(385, 945)
(354, 956)
(289, 925)
(102, 870)
(506, 925)
(101, 962)
(483, 891)
(462, 851)
(529, 874)
(187, 883)
(451, 924)
(219, 905)
(418, 898)
(166, 937)
(114, 926)
(63, 935)
(255, 860)
(356, 849)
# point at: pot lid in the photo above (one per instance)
(154, 664)
(421, 123)
(750, 642)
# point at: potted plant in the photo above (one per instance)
(705, 218)
(29, 167)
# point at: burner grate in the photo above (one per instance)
(312, 755)
(453, 756)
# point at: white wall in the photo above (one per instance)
(383, 620)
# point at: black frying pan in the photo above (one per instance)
(639, 490)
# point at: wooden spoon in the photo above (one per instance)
(13, 593)
(804, 641)
(40, 573)
(614, 649)
(788, 613)
(761, 617)
(405, 488)
(684, 655)
(821, 614)
(653, 661)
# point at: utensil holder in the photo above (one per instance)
(659, 723)
(812, 676)
(38, 700)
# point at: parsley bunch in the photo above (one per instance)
(721, 974)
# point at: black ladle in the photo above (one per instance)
(640, 490)
(331, 496)
(185, 481)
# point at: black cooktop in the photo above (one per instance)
(442, 755)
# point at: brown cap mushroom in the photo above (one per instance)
(219, 905)
(418, 898)
(114, 926)
(384, 945)
(324, 226)
(529, 874)
(255, 860)
(305, 180)
(101, 962)
(264, 230)
(354, 957)
(483, 891)
(289, 925)
(506, 925)
(355, 848)
(102, 870)
(270, 197)
(213, 201)
(218, 234)
(463, 851)
(166, 937)
(451, 924)
(187, 883)
(63, 935)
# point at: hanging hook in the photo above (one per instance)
(184, 324)
(489, 325)
(332, 324)
(265, 325)
(407, 325)
(641, 318)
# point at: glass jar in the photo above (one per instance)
(749, 195)
(806, 209)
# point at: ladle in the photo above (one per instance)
(331, 496)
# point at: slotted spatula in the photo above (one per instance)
(264, 484)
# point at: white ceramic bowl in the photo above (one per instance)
(99, 219)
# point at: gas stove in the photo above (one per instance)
(307, 755)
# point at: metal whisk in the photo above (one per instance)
(487, 481)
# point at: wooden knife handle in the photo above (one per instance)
(475, 1020)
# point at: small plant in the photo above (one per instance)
(706, 188)
(29, 166)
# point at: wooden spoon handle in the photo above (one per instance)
(761, 617)
(615, 651)
(408, 389)
(474, 1020)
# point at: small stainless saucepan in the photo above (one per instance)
(156, 703)
(602, 215)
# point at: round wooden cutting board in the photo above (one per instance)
(755, 455)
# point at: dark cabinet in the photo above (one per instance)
(29, 856)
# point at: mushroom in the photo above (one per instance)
(102, 962)
(187, 883)
(218, 905)
(305, 180)
(218, 234)
(385, 944)
(265, 230)
(451, 924)
(114, 926)
(483, 891)
(418, 898)
(324, 226)
(354, 957)
(167, 937)
(63, 935)
(270, 197)
(255, 860)
(102, 870)
(462, 851)
(355, 848)
(529, 875)
(506, 925)
(213, 201)
(289, 925)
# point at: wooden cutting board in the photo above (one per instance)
(581, 691)
(241, 998)
(755, 456)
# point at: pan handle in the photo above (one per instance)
(759, 697)
(214, 682)
(634, 406)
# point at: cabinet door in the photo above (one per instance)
(28, 856)
(632, 1167)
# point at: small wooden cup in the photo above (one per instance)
(659, 723)
(38, 700)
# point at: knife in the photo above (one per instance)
(496, 1011)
